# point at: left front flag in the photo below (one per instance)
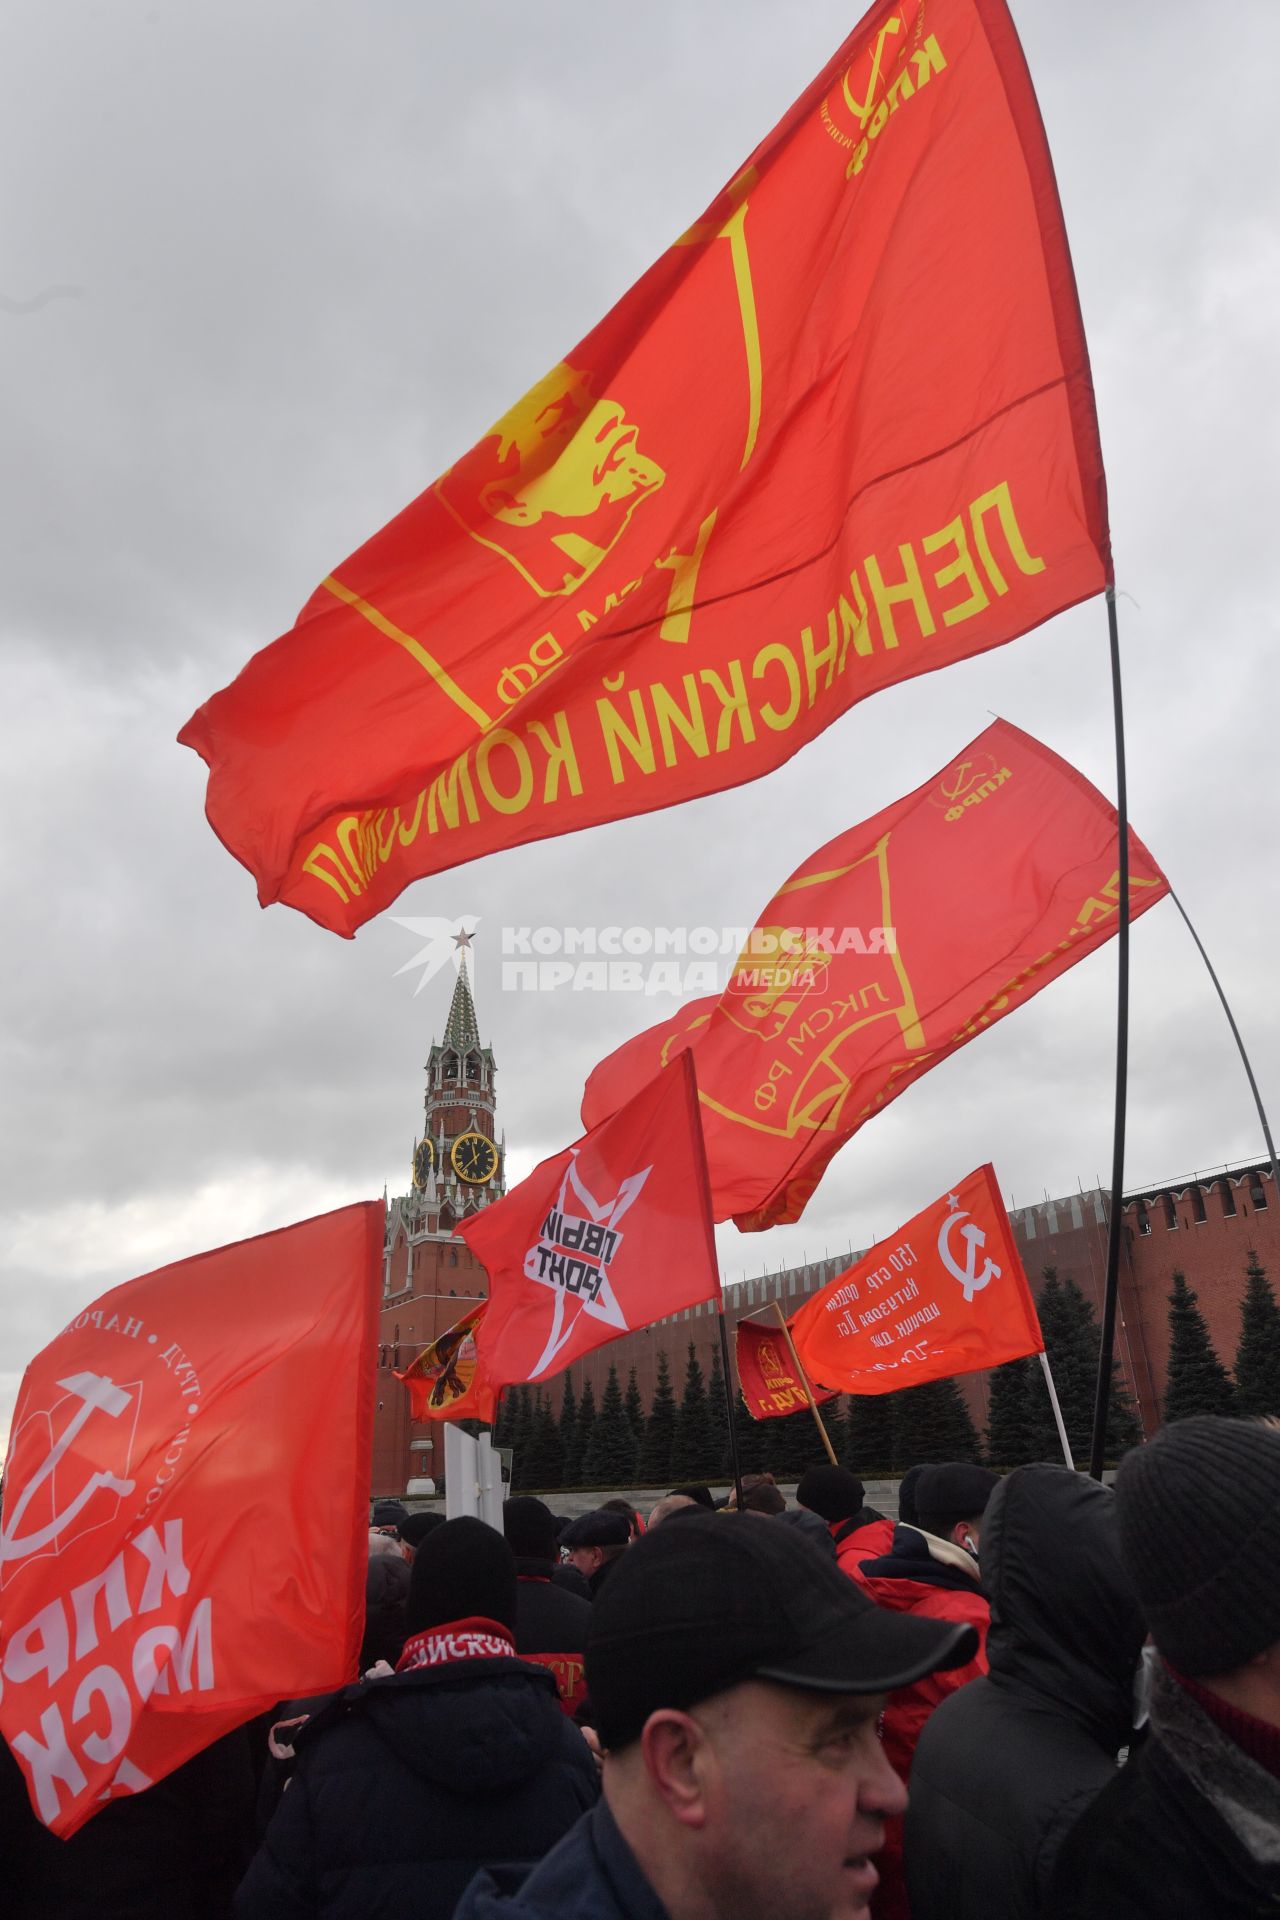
(842, 432)
(165, 1573)
(607, 1236)
(448, 1380)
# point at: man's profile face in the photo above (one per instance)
(797, 1796)
(586, 1559)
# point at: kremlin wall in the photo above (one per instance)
(1203, 1224)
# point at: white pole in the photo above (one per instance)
(1057, 1412)
(461, 1474)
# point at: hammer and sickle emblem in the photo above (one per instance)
(975, 1239)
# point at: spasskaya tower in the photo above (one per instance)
(458, 1166)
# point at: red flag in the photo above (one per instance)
(767, 1375)
(165, 1571)
(887, 950)
(448, 1381)
(946, 1294)
(841, 433)
(607, 1236)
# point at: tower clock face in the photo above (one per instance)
(424, 1160)
(475, 1158)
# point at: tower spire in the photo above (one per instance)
(461, 1029)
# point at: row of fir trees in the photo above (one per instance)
(617, 1444)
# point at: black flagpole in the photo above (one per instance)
(1235, 1034)
(1106, 1348)
(729, 1402)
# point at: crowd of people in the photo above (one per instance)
(1028, 1695)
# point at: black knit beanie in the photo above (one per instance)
(462, 1570)
(530, 1527)
(833, 1492)
(1199, 1513)
(907, 1495)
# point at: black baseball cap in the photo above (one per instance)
(600, 1528)
(693, 1610)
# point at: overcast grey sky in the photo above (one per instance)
(266, 271)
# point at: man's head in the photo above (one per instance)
(628, 1512)
(462, 1571)
(701, 1494)
(530, 1529)
(1199, 1514)
(669, 1504)
(389, 1515)
(734, 1669)
(833, 1492)
(764, 1498)
(951, 1499)
(594, 1539)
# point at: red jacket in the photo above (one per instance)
(937, 1579)
(866, 1537)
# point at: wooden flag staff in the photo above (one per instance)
(803, 1378)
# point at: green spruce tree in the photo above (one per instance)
(635, 1407)
(693, 1450)
(582, 1436)
(1197, 1381)
(718, 1409)
(611, 1456)
(504, 1425)
(1258, 1355)
(868, 1435)
(752, 1437)
(659, 1430)
(568, 1433)
(544, 1455)
(932, 1422)
(1012, 1436)
(521, 1431)
(1072, 1340)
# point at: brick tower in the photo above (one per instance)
(458, 1165)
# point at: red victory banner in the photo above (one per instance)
(945, 1295)
(841, 433)
(163, 1576)
(447, 1381)
(607, 1236)
(891, 947)
(766, 1374)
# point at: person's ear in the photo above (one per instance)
(675, 1750)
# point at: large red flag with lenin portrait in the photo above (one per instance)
(609, 1235)
(183, 1536)
(888, 949)
(842, 432)
(946, 1294)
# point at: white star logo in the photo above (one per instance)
(443, 940)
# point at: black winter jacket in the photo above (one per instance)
(176, 1849)
(1189, 1830)
(551, 1629)
(406, 1786)
(591, 1875)
(1006, 1765)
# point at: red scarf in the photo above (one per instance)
(1258, 1738)
(475, 1638)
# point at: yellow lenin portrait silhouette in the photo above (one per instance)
(553, 485)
